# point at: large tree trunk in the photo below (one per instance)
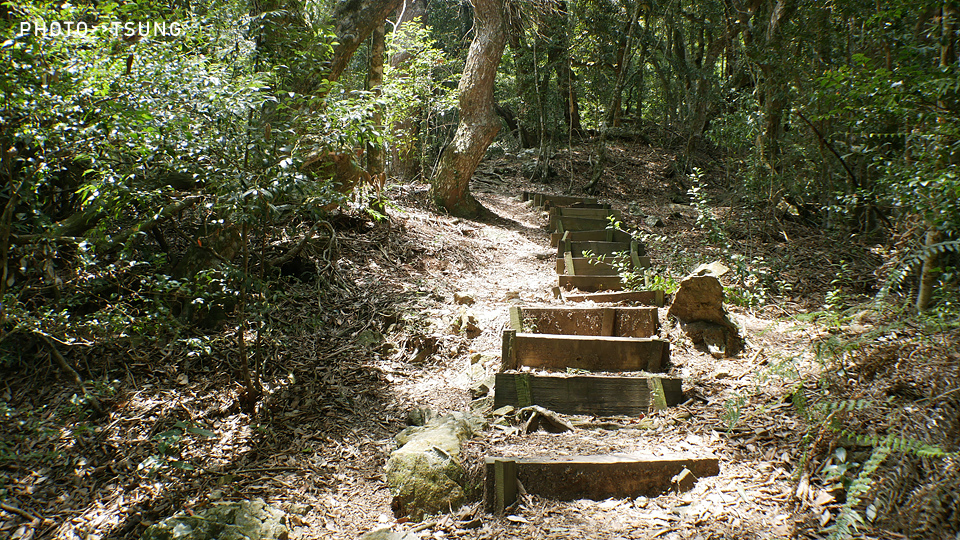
(376, 154)
(356, 19)
(478, 121)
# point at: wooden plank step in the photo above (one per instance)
(597, 248)
(561, 212)
(554, 352)
(581, 266)
(548, 200)
(600, 235)
(651, 298)
(594, 395)
(570, 478)
(577, 224)
(635, 322)
(590, 283)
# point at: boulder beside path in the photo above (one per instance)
(698, 305)
(425, 474)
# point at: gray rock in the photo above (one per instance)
(653, 221)
(425, 475)
(243, 520)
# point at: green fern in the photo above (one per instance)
(848, 519)
(908, 263)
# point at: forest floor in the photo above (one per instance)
(380, 332)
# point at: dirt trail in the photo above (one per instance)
(751, 497)
(380, 336)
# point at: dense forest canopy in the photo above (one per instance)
(162, 165)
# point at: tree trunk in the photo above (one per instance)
(930, 272)
(478, 122)
(596, 173)
(523, 62)
(376, 155)
(356, 19)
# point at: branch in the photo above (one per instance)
(120, 238)
(830, 147)
(91, 399)
(295, 250)
(22, 513)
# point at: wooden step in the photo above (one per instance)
(650, 298)
(570, 478)
(564, 212)
(591, 395)
(548, 200)
(562, 224)
(597, 248)
(582, 266)
(590, 283)
(637, 322)
(555, 352)
(600, 235)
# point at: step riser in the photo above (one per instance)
(594, 353)
(585, 394)
(636, 322)
(590, 477)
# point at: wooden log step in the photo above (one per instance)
(562, 224)
(581, 266)
(599, 235)
(590, 283)
(591, 395)
(558, 213)
(597, 248)
(554, 352)
(650, 298)
(548, 200)
(569, 478)
(637, 322)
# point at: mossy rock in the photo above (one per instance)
(425, 475)
(243, 520)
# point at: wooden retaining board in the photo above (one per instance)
(650, 298)
(590, 395)
(600, 235)
(577, 224)
(581, 266)
(597, 248)
(553, 352)
(637, 322)
(570, 478)
(568, 212)
(546, 199)
(590, 283)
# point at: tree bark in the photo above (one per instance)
(479, 123)
(376, 154)
(356, 19)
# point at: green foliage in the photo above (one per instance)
(421, 88)
(913, 261)
(169, 448)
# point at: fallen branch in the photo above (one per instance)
(121, 238)
(295, 250)
(91, 399)
(22, 513)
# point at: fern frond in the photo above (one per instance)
(908, 263)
